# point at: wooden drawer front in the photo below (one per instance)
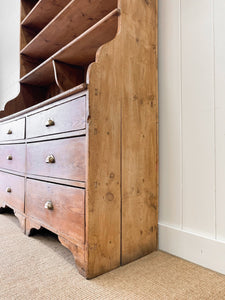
(17, 153)
(66, 117)
(69, 157)
(67, 214)
(12, 190)
(12, 130)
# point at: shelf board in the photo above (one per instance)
(80, 52)
(47, 9)
(76, 17)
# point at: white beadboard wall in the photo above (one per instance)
(192, 130)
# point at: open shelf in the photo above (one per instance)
(59, 40)
(41, 13)
(79, 52)
(76, 17)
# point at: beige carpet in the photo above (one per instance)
(40, 268)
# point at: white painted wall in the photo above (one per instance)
(192, 130)
(9, 50)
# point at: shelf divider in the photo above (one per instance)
(67, 76)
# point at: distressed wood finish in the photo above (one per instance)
(69, 158)
(77, 17)
(67, 76)
(139, 132)
(12, 191)
(80, 51)
(67, 215)
(17, 163)
(72, 118)
(78, 254)
(130, 148)
(14, 130)
(91, 165)
(47, 9)
(22, 220)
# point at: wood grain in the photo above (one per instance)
(69, 158)
(72, 118)
(26, 7)
(126, 176)
(17, 129)
(15, 198)
(47, 9)
(18, 157)
(31, 225)
(28, 96)
(81, 51)
(78, 253)
(114, 220)
(139, 130)
(67, 215)
(72, 21)
(67, 76)
(22, 220)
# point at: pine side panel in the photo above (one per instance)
(139, 129)
(122, 150)
(103, 183)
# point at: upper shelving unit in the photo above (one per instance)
(80, 52)
(59, 39)
(73, 20)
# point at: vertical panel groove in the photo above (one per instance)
(181, 119)
(214, 111)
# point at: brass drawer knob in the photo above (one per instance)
(49, 123)
(9, 131)
(8, 190)
(9, 157)
(50, 159)
(49, 205)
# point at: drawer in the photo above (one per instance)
(66, 117)
(68, 158)
(56, 206)
(12, 190)
(14, 130)
(12, 157)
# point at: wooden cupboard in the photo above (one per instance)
(79, 145)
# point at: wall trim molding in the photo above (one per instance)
(209, 253)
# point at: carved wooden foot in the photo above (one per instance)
(22, 220)
(30, 225)
(78, 254)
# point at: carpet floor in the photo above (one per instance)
(40, 267)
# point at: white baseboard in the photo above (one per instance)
(203, 251)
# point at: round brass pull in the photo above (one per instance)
(50, 159)
(9, 157)
(8, 190)
(9, 131)
(49, 205)
(49, 123)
